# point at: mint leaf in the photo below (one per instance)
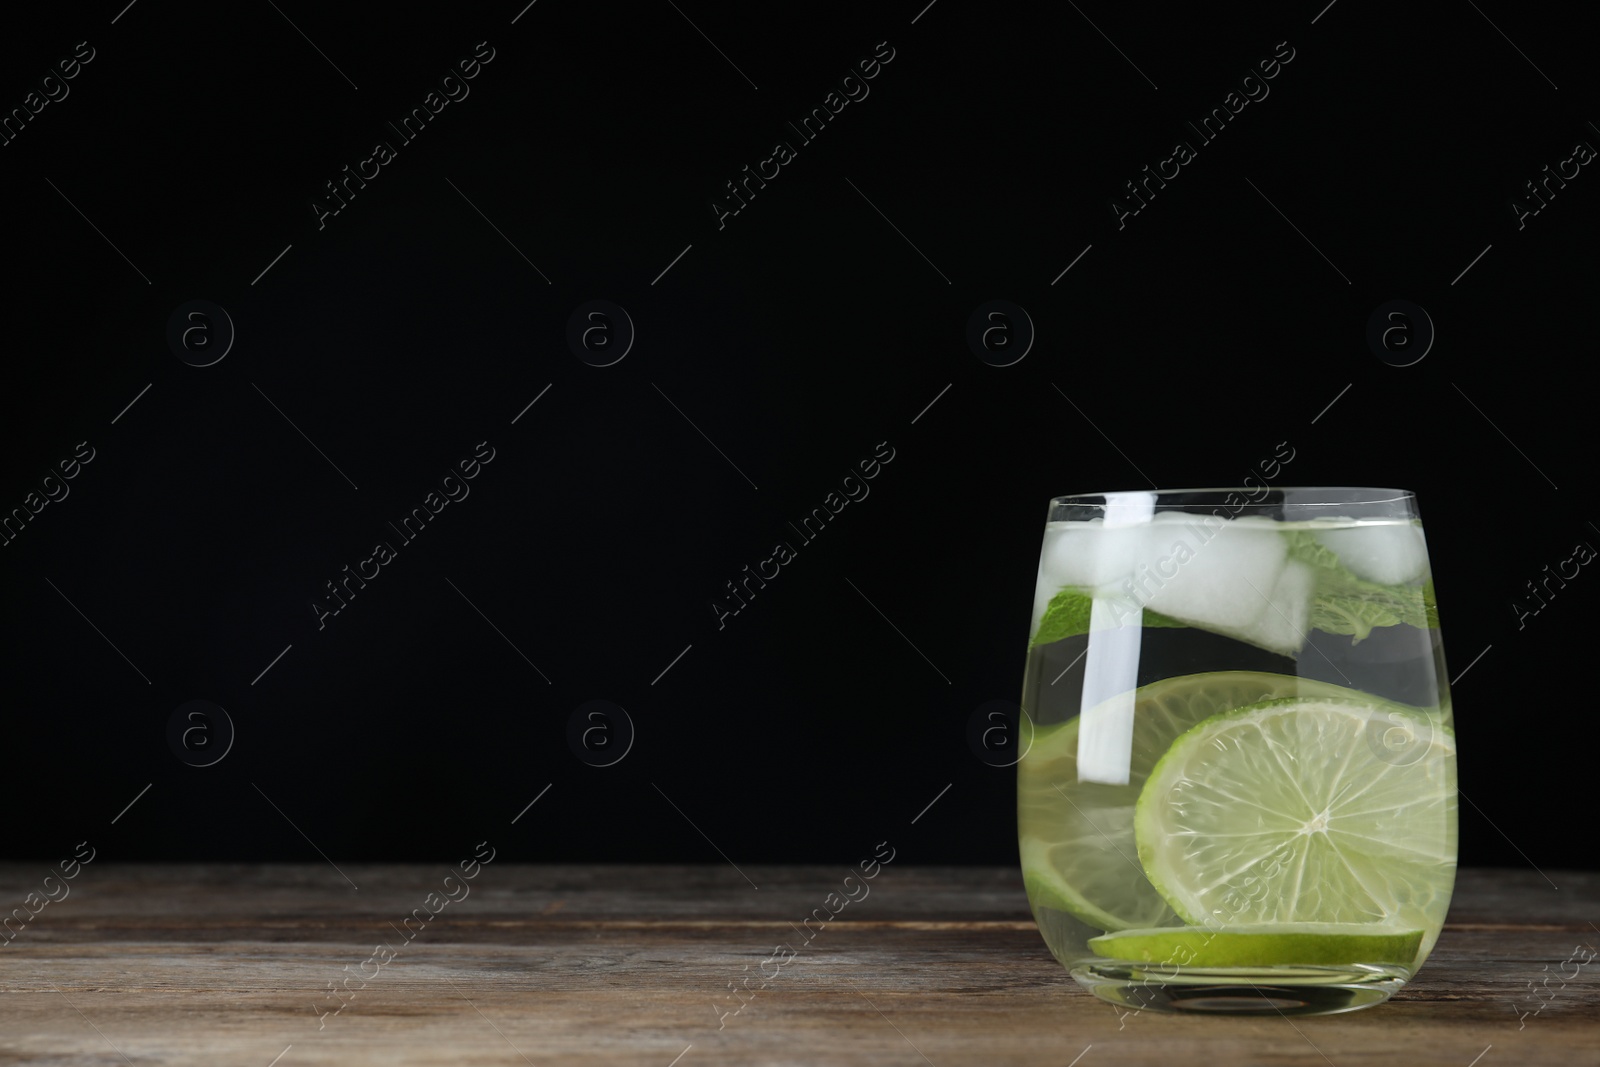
(1341, 602)
(1067, 615)
(1357, 610)
(1307, 549)
(1346, 604)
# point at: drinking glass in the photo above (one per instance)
(1238, 792)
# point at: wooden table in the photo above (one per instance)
(233, 965)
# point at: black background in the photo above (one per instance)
(797, 337)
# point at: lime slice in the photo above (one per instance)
(1298, 944)
(1077, 840)
(1305, 810)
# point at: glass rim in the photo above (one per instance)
(1264, 496)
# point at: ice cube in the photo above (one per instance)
(1212, 573)
(1094, 556)
(1064, 557)
(1282, 626)
(1386, 553)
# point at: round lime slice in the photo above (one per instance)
(1305, 810)
(1077, 842)
(1288, 944)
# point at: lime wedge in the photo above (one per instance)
(1077, 842)
(1305, 810)
(1294, 944)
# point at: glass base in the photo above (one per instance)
(1241, 990)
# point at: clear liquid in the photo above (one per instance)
(1399, 663)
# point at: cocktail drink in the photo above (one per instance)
(1238, 787)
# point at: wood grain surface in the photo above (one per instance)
(234, 964)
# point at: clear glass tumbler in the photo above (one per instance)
(1238, 792)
